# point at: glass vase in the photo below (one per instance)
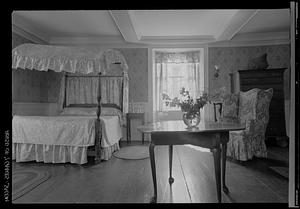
(191, 121)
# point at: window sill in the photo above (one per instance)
(169, 111)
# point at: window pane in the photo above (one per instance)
(172, 73)
(176, 76)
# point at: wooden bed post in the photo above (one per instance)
(96, 149)
(122, 90)
(65, 90)
(98, 125)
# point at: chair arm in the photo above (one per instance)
(249, 130)
(250, 126)
(255, 126)
(260, 126)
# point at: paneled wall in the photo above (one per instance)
(137, 61)
(232, 59)
(29, 86)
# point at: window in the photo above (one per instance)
(174, 70)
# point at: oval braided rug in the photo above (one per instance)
(25, 180)
(137, 152)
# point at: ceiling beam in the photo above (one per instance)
(23, 28)
(134, 24)
(29, 36)
(125, 25)
(267, 36)
(177, 39)
(238, 21)
(87, 40)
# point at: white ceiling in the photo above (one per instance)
(69, 23)
(181, 22)
(150, 26)
(268, 20)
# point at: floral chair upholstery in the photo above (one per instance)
(252, 109)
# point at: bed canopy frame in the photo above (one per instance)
(76, 61)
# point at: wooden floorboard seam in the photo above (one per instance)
(266, 185)
(186, 184)
(123, 181)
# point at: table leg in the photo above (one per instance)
(128, 130)
(152, 161)
(171, 179)
(217, 156)
(224, 150)
(143, 135)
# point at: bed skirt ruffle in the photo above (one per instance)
(107, 152)
(244, 147)
(56, 153)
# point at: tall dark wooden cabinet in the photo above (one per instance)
(264, 79)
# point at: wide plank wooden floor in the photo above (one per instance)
(130, 181)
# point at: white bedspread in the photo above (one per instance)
(61, 139)
(54, 130)
(65, 130)
(111, 130)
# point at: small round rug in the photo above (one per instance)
(137, 152)
(25, 180)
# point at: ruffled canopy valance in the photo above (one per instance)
(68, 59)
(83, 60)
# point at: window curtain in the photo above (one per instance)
(169, 78)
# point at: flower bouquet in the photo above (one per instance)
(189, 106)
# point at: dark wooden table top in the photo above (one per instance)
(179, 126)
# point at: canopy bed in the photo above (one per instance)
(93, 103)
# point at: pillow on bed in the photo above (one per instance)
(109, 111)
(90, 111)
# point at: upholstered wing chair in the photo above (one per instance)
(252, 109)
